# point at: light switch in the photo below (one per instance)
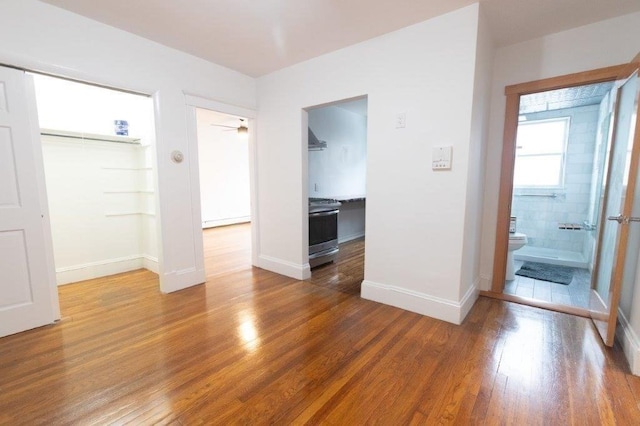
(441, 158)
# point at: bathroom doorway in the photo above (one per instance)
(541, 181)
(561, 148)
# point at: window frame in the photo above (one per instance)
(562, 154)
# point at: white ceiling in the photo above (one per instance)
(257, 37)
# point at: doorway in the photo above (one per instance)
(561, 143)
(336, 189)
(612, 196)
(98, 151)
(225, 190)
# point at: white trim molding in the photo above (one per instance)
(103, 268)
(224, 222)
(421, 303)
(350, 237)
(630, 343)
(151, 263)
(176, 280)
(485, 282)
(469, 299)
(283, 267)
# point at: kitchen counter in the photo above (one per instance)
(350, 198)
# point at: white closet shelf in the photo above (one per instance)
(89, 136)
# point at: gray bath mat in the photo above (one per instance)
(542, 271)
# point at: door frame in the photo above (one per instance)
(513, 94)
(192, 102)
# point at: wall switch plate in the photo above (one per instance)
(401, 120)
(441, 157)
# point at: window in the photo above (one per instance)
(540, 149)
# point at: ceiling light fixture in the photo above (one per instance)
(243, 130)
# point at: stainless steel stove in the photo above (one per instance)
(323, 230)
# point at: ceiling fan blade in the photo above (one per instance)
(222, 125)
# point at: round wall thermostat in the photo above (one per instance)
(177, 156)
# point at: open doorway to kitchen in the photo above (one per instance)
(100, 170)
(561, 148)
(337, 159)
(225, 199)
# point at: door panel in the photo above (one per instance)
(26, 299)
(614, 225)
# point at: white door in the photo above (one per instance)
(27, 292)
(621, 175)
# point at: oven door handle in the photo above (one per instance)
(329, 213)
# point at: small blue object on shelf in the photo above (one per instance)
(121, 127)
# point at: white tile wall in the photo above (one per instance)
(538, 217)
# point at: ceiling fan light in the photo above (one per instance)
(243, 131)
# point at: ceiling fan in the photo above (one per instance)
(242, 129)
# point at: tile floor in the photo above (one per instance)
(575, 293)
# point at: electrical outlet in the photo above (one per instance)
(401, 120)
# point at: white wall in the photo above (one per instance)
(602, 44)
(224, 175)
(415, 216)
(42, 37)
(470, 266)
(341, 168)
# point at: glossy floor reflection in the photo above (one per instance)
(254, 347)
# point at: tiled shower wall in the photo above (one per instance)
(538, 216)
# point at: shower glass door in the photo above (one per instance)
(620, 178)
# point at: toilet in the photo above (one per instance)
(516, 241)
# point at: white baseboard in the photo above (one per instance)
(345, 238)
(424, 304)
(225, 222)
(102, 268)
(630, 343)
(283, 267)
(179, 280)
(485, 282)
(468, 300)
(150, 263)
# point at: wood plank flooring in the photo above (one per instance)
(253, 347)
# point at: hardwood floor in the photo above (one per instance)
(253, 347)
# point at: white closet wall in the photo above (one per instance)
(100, 187)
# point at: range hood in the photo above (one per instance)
(315, 144)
